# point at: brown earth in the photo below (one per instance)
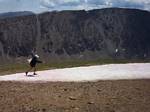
(101, 96)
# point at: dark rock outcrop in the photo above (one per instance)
(104, 33)
(17, 36)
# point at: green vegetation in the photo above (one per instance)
(22, 67)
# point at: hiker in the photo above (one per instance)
(33, 63)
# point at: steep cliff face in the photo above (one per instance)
(104, 33)
(17, 36)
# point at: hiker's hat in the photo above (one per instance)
(37, 56)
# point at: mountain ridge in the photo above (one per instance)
(101, 33)
(15, 14)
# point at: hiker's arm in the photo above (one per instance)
(38, 61)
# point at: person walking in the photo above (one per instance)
(33, 63)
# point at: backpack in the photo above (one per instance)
(29, 60)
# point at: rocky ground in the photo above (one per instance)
(101, 96)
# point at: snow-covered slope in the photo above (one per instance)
(90, 73)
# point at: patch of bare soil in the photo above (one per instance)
(101, 96)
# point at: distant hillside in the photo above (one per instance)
(14, 14)
(105, 33)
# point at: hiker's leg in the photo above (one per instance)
(34, 70)
(29, 70)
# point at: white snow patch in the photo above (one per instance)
(90, 73)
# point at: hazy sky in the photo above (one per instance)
(48, 5)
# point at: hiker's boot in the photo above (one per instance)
(34, 74)
(26, 73)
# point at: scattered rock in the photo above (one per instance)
(76, 108)
(59, 96)
(43, 110)
(65, 89)
(99, 90)
(90, 102)
(72, 98)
